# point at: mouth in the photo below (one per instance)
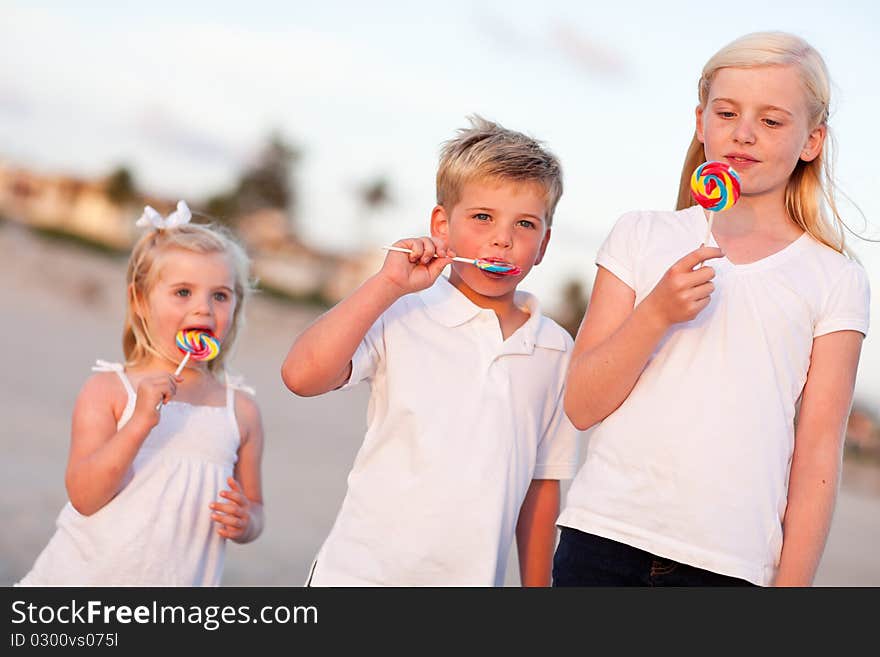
(742, 159)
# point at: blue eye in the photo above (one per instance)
(482, 216)
(726, 115)
(183, 292)
(525, 223)
(221, 296)
(772, 123)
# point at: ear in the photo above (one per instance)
(440, 223)
(543, 248)
(699, 127)
(815, 142)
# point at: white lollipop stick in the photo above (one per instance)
(182, 364)
(470, 261)
(498, 268)
(709, 228)
(176, 373)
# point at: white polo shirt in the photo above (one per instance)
(694, 464)
(459, 423)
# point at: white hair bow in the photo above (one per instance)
(177, 218)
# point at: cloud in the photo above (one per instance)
(14, 104)
(562, 40)
(170, 133)
(586, 53)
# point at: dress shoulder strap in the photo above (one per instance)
(233, 383)
(119, 368)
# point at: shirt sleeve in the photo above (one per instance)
(847, 307)
(368, 355)
(618, 252)
(557, 456)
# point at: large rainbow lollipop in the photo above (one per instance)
(493, 266)
(715, 186)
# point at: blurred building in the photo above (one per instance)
(84, 208)
(65, 204)
(863, 433)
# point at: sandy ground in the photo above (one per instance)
(62, 308)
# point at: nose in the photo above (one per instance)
(203, 306)
(502, 237)
(744, 132)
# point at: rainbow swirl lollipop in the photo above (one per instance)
(198, 344)
(715, 186)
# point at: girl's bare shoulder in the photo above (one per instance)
(104, 388)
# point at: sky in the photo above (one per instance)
(185, 93)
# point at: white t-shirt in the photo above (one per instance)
(459, 423)
(694, 465)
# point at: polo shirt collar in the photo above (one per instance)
(446, 305)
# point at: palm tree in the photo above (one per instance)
(268, 183)
(374, 196)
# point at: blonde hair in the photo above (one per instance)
(143, 272)
(811, 182)
(488, 151)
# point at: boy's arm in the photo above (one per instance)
(320, 358)
(816, 462)
(536, 532)
(616, 340)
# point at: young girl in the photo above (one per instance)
(722, 391)
(151, 452)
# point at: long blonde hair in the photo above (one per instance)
(810, 182)
(143, 272)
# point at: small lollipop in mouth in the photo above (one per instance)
(491, 265)
(198, 344)
(497, 266)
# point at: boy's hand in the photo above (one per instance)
(233, 513)
(418, 270)
(152, 392)
(683, 292)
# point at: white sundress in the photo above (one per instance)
(157, 531)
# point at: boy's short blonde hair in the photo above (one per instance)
(487, 151)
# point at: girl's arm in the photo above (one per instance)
(100, 456)
(536, 532)
(816, 462)
(239, 511)
(616, 340)
(320, 358)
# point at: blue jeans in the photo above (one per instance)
(583, 559)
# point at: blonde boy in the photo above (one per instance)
(467, 439)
